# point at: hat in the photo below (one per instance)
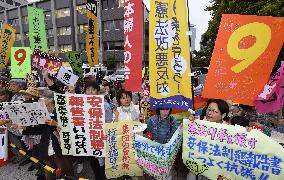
(31, 91)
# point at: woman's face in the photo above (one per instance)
(164, 113)
(91, 91)
(4, 97)
(213, 113)
(71, 89)
(125, 100)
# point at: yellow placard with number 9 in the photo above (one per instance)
(262, 33)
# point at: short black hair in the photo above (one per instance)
(93, 85)
(240, 120)
(120, 94)
(158, 111)
(222, 106)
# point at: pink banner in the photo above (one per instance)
(271, 98)
(133, 38)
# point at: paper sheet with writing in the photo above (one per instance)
(28, 114)
(157, 159)
(4, 145)
(214, 149)
(66, 77)
(120, 157)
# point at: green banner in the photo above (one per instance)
(75, 61)
(37, 33)
(20, 62)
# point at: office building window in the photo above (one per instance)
(113, 45)
(62, 12)
(49, 32)
(9, 2)
(18, 37)
(108, 26)
(82, 9)
(110, 4)
(65, 48)
(104, 3)
(17, 4)
(25, 19)
(64, 31)
(119, 24)
(48, 15)
(82, 28)
(119, 45)
(120, 3)
(13, 22)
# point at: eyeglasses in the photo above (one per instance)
(211, 110)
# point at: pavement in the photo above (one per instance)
(16, 172)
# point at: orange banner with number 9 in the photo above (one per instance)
(245, 52)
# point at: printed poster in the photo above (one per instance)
(37, 32)
(20, 62)
(7, 39)
(75, 61)
(157, 159)
(66, 77)
(120, 156)
(169, 55)
(28, 114)
(213, 149)
(3, 112)
(92, 41)
(48, 61)
(245, 52)
(271, 98)
(83, 121)
(133, 39)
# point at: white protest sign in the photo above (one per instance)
(66, 77)
(3, 113)
(28, 114)
(4, 145)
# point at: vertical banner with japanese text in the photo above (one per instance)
(37, 32)
(83, 122)
(120, 157)
(20, 62)
(245, 52)
(214, 149)
(76, 63)
(92, 41)
(7, 39)
(169, 55)
(133, 38)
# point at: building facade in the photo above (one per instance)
(66, 26)
(7, 4)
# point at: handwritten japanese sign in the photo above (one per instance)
(20, 62)
(169, 55)
(76, 63)
(3, 112)
(245, 51)
(65, 124)
(92, 42)
(7, 40)
(66, 77)
(120, 159)
(28, 114)
(4, 145)
(214, 149)
(154, 158)
(85, 124)
(42, 60)
(37, 33)
(133, 38)
(271, 98)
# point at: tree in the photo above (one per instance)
(245, 7)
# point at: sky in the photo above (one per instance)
(197, 16)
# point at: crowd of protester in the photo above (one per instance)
(42, 141)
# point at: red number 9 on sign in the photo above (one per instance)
(20, 59)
